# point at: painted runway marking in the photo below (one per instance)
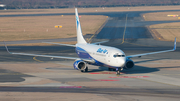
(34, 58)
(124, 29)
(103, 73)
(105, 80)
(70, 87)
(130, 77)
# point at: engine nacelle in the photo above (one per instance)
(79, 65)
(129, 64)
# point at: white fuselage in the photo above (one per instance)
(108, 56)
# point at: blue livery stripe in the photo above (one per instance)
(84, 54)
(77, 21)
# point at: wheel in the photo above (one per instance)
(114, 69)
(118, 72)
(110, 69)
(86, 70)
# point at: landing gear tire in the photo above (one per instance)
(86, 70)
(111, 69)
(118, 72)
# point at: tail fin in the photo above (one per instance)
(80, 38)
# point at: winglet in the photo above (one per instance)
(174, 44)
(6, 48)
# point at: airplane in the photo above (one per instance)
(95, 54)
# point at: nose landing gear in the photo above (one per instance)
(118, 71)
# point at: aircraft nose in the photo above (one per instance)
(122, 62)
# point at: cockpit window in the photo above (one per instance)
(119, 56)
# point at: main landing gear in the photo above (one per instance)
(85, 70)
(118, 71)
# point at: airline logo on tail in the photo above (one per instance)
(77, 20)
(174, 44)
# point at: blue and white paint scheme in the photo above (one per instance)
(98, 55)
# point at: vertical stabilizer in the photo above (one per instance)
(80, 38)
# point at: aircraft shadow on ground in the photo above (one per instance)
(98, 70)
(11, 76)
(140, 69)
(136, 69)
(150, 60)
(177, 67)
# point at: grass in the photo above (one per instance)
(32, 28)
(161, 16)
(165, 31)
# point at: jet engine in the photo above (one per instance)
(80, 65)
(129, 64)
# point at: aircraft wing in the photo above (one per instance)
(139, 55)
(51, 56)
(60, 44)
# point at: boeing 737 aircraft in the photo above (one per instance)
(98, 55)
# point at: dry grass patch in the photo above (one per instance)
(32, 28)
(168, 30)
(161, 16)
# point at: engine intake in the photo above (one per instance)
(79, 65)
(129, 64)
